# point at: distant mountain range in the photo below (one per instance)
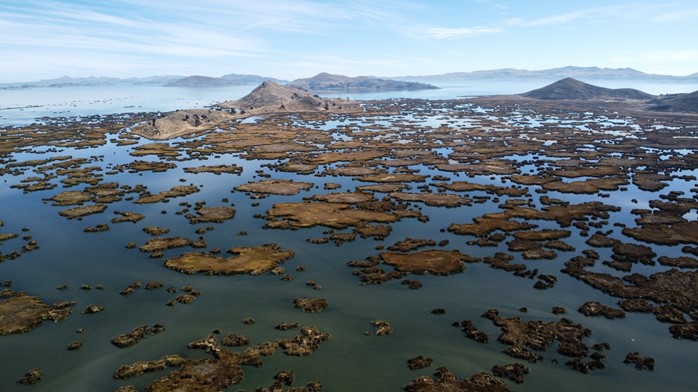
(225, 80)
(586, 73)
(67, 81)
(199, 81)
(243, 80)
(159, 80)
(329, 82)
(325, 82)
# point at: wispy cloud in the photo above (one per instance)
(298, 37)
(588, 14)
(460, 32)
(556, 19)
(178, 33)
(95, 32)
(305, 16)
(499, 27)
(674, 16)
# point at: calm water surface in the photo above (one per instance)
(24, 106)
(350, 360)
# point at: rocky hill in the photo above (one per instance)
(573, 89)
(676, 103)
(270, 96)
(328, 82)
(199, 81)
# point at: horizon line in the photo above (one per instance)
(383, 77)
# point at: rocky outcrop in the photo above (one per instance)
(271, 97)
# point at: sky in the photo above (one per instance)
(44, 39)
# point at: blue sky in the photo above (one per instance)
(292, 39)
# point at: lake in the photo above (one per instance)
(24, 106)
(437, 144)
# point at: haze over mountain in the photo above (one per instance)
(68, 81)
(225, 80)
(157, 80)
(243, 80)
(199, 81)
(329, 82)
(573, 89)
(587, 73)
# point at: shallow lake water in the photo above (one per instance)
(24, 106)
(350, 360)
